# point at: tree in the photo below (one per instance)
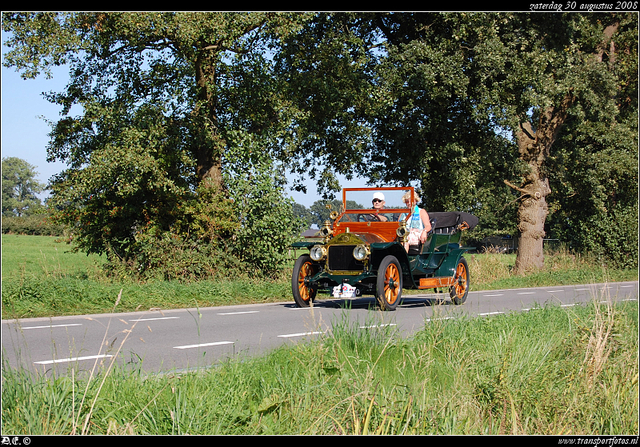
(470, 104)
(19, 188)
(325, 70)
(164, 99)
(537, 73)
(386, 97)
(594, 161)
(322, 209)
(267, 224)
(304, 214)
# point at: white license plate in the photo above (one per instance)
(345, 291)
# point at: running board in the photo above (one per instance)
(432, 283)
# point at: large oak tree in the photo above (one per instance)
(470, 105)
(159, 108)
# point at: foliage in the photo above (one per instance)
(465, 102)
(36, 225)
(595, 204)
(510, 116)
(303, 213)
(321, 209)
(162, 97)
(267, 224)
(19, 188)
(325, 71)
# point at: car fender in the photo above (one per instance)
(381, 249)
(449, 264)
(303, 244)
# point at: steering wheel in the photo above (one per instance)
(368, 218)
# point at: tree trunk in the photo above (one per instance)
(534, 147)
(532, 213)
(208, 145)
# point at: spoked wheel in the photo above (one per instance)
(389, 285)
(460, 288)
(303, 269)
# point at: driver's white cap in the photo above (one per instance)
(378, 195)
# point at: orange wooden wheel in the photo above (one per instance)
(460, 288)
(303, 291)
(389, 283)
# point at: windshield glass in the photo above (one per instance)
(359, 200)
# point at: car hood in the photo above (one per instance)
(355, 239)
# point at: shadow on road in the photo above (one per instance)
(370, 303)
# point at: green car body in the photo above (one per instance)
(359, 256)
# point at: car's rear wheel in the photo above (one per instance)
(460, 288)
(389, 284)
(303, 270)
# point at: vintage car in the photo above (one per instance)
(363, 252)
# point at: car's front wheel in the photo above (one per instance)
(389, 285)
(303, 292)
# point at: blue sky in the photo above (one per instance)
(24, 133)
(25, 129)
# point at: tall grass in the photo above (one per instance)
(551, 370)
(561, 266)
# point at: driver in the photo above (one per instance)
(378, 205)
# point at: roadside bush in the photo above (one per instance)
(35, 225)
(245, 231)
(613, 239)
(267, 224)
(174, 257)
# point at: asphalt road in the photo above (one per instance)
(164, 341)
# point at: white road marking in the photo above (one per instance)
(51, 326)
(568, 305)
(240, 313)
(299, 334)
(438, 319)
(554, 291)
(491, 313)
(156, 318)
(526, 293)
(201, 345)
(377, 325)
(73, 359)
(495, 294)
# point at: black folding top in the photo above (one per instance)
(453, 219)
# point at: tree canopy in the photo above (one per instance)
(479, 108)
(19, 188)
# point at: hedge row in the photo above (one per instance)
(37, 225)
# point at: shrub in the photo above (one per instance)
(246, 230)
(35, 224)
